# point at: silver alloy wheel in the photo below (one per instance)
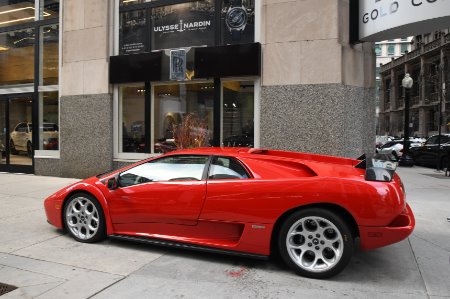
(315, 244)
(82, 218)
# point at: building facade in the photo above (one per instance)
(428, 65)
(94, 85)
(385, 51)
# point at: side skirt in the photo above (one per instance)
(160, 242)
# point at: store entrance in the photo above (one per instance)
(16, 148)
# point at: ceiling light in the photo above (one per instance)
(46, 14)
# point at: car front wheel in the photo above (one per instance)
(84, 219)
(315, 243)
(12, 148)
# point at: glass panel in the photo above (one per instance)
(2, 132)
(49, 9)
(391, 50)
(238, 21)
(226, 168)
(132, 117)
(404, 48)
(49, 121)
(49, 42)
(14, 12)
(17, 57)
(181, 25)
(238, 113)
(183, 116)
(174, 168)
(378, 50)
(20, 131)
(132, 32)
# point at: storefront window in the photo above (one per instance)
(182, 25)
(132, 37)
(132, 119)
(17, 57)
(49, 121)
(49, 9)
(15, 12)
(49, 39)
(238, 113)
(183, 116)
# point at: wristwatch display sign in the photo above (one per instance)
(132, 32)
(238, 21)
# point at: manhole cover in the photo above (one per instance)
(6, 288)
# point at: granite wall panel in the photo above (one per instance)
(331, 119)
(86, 135)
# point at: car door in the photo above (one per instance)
(20, 136)
(167, 190)
(427, 154)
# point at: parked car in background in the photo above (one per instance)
(395, 147)
(431, 153)
(21, 137)
(243, 201)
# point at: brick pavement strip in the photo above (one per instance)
(45, 263)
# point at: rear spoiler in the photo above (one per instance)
(379, 167)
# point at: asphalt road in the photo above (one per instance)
(46, 263)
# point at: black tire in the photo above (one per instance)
(12, 148)
(84, 210)
(29, 149)
(444, 162)
(317, 244)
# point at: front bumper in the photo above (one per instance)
(399, 229)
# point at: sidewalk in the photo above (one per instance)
(45, 263)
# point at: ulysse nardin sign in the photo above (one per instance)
(386, 19)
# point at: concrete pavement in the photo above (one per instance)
(45, 263)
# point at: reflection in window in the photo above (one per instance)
(49, 41)
(132, 33)
(17, 57)
(132, 118)
(49, 9)
(49, 121)
(15, 12)
(238, 113)
(175, 168)
(183, 116)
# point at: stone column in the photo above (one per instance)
(318, 91)
(86, 117)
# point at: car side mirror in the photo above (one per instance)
(112, 183)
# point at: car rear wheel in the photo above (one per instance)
(315, 243)
(84, 219)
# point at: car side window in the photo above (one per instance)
(445, 139)
(431, 140)
(21, 128)
(226, 168)
(172, 168)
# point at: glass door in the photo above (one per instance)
(16, 142)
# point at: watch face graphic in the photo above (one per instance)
(236, 18)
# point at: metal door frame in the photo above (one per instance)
(8, 167)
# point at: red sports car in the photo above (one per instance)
(307, 208)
